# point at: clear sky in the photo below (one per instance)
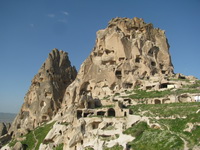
(30, 29)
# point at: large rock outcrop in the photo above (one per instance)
(46, 92)
(127, 52)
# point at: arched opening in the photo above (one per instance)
(157, 101)
(137, 59)
(125, 114)
(42, 104)
(79, 114)
(130, 112)
(95, 125)
(111, 112)
(118, 74)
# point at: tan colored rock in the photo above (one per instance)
(18, 146)
(45, 95)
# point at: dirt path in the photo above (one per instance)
(184, 141)
(35, 140)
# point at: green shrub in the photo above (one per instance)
(36, 137)
(59, 147)
(137, 129)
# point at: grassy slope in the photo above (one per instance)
(171, 133)
(35, 137)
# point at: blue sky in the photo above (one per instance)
(29, 30)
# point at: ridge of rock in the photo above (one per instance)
(45, 94)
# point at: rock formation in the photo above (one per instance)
(127, 53)
(87, 109)
(45, 94)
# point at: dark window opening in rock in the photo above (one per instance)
(128, 85)
(130, 112)
(79, 114)
(112, 62)
(100, 113)
(163, 85)
(161, 66)
(61, 114)
(91, 105)
(95, 53)
(157, 101)
(150, 53)
(111, 112)
(107, 51)
(153, 63)
(138, 59)
(128, 147)
(125, 114)
(127, 100)
(42, 103)
(95, 125)
(97, 103)
(153, 51)
(163, 72)
(121, 58)
(82, 127)
(44, 117)
(18, 126)
(148, 87)
(60, 132)
(118, 74)
(154, 72)
(181, 77)
(86, 114)
(81, 142)
(11, 134)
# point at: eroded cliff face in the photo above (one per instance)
(45, 94)
(129, 53)
(126, 52)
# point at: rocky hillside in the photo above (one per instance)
(100, 108)
(45, 95)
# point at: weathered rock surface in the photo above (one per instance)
(126, 54)
(45, 94)
(92, 110)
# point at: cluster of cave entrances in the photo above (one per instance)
(101, 113)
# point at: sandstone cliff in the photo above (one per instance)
(92, 109)
(45, 94)
(127, 52)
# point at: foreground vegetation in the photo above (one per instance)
(34, 138)
(144, 94)
(172, 126)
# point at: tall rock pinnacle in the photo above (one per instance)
(45, 94)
